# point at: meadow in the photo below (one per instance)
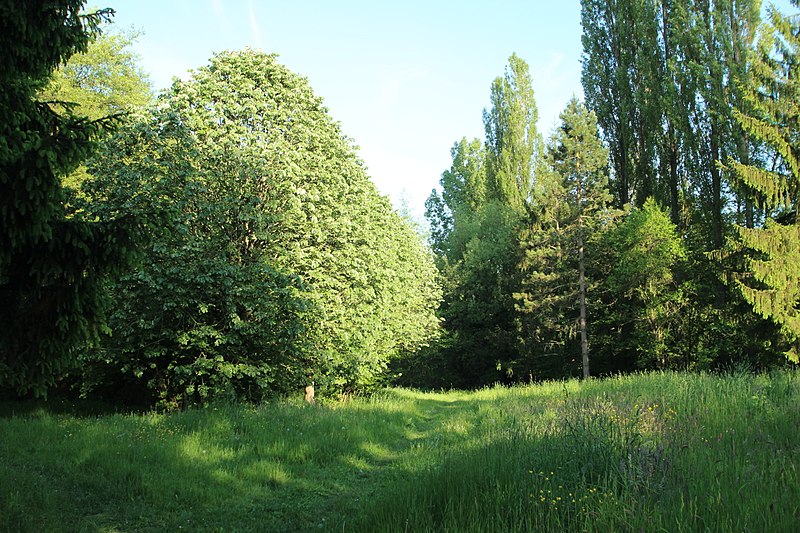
(648, 452)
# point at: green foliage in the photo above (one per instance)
(622, 74)
(664, 79)
(479, 304)
(52, 265)
(643, 295)
(204, 315)
(512, 142)
(464, 192)
(769, 113)
(572, 210)
(274, 260)
(102, 81)
(661, 77)
(477, 221)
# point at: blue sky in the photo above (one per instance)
(405, 79)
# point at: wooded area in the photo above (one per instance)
(222, 240)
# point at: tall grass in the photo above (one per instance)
(652, 452)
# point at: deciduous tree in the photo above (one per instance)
(282, 262)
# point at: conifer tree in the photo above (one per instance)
(574, 204)
(51, 265)
(772, 283)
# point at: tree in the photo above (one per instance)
(463, 193)
(105, 80)
(659, 76)
(486, 198)
(51, 266)
(512, 143)
(574, 206)
(204, 315)
(282, 262)
(643, 295)
(772, 281)
(621, 76)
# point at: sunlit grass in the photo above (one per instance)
(653, 452)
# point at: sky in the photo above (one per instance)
(406, 79)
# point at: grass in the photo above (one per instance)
(652, 452)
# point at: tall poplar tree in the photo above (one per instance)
(512, 142)
(621, 76)
(486, 199)
(660, 76)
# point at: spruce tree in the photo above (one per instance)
(52, 265)
(772, 282)
(574, 204)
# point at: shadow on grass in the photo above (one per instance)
(274, 468)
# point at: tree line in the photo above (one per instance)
(655, 228)
(223, 240)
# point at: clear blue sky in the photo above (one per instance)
(405, 79)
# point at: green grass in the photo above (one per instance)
(653, 452)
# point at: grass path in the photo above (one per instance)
(656, 452)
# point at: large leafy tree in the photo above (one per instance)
(769, 113)
(643, 296)
(103, 80)
(464, 193)
(282, 262)
(51, 265)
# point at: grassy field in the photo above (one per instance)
(653, 452)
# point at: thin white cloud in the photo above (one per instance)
(218, 7)
(256, 31)
(555, 82)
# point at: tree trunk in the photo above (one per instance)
(716, 190)
(582, 289)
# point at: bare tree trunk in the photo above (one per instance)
(582, 289)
